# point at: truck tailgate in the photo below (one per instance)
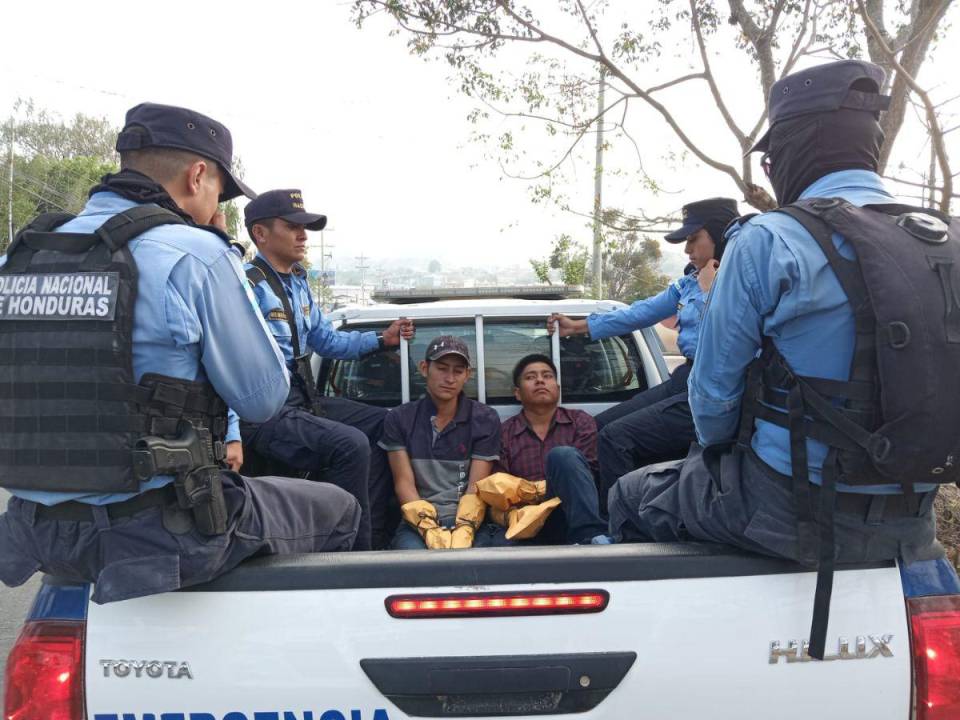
(687, 633)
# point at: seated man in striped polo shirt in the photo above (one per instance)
(439, 447)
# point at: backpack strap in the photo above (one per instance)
(277, 287)
(113, 235)
(125, 226)
(255, 275)
(815, 531)
(17, 258)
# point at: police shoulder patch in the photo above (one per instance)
(277, 315)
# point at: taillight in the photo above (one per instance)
(44, 676)
(935, 626)
(497, 604)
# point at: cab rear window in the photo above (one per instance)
(605, 370)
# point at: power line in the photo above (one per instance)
(362, 267)
(39, 197)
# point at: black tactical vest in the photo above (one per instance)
(70, 413)
(896, 419)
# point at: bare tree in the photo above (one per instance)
(564, 49)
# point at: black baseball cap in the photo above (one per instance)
(286, 204)
(714, 214)
(167, 126)
(447, 345)
(824, 88)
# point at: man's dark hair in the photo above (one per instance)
(266, 222)
(530, 360)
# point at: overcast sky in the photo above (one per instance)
(378, 140)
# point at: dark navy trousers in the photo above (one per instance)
(339, 448)
(653, 426)
(159, 549)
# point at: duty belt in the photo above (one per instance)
(84, 512)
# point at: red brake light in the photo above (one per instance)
(44, 677)
(497, 604)
(935, 626)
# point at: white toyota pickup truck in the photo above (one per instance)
(625, 631)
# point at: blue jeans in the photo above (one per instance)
(489, 535)
(569, 478)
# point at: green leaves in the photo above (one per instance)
(55, 163)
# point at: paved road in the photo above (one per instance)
(14, 604)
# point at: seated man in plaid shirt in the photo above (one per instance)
(546, 441)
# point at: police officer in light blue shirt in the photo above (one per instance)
(334, 439)
(777, 286)
(656, 425)
(193, 322)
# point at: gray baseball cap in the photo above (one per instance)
(447, 345)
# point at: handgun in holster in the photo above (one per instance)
(191, 457)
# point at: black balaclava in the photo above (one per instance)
(804, 149)
(715, 226)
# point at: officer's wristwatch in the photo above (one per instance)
(381, 343)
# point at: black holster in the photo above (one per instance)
(305, 373)
(201, 492)
(192, 458)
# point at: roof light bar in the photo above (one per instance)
(497, 604)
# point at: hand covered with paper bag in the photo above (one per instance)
(516, 504)
(422, 515)
(504, 491)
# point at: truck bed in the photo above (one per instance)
(689, 631)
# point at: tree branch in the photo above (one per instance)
(677, 81)
(760, 38)
(795, 51)
(590, 28)
(711, 81)
(614, 70)
(911, 183)
(936, 134)
(583, 131)
(658, 224)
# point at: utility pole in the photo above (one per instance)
(597, 202)
(10, 186)
(362, 267)
(324, 255)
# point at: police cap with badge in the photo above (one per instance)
(284, 204)
(712, 215)
(167, 126)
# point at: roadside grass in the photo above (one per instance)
(948, 522)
